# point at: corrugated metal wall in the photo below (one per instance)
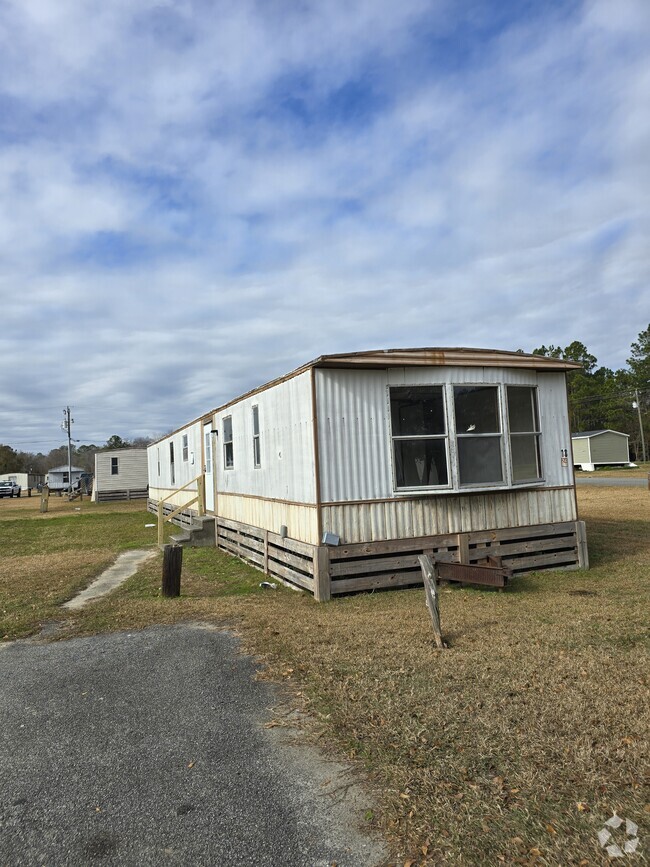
(184, 471)
(287, 467)
(301, 521)
(435, 515)
(354, 426)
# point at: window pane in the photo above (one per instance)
(420, 463)
(417, 411)
(256, 421)
(229, 459)
(256, 452)
(477, 409)
(525, 458)
(227, 429)
(479, 460)
(522, 409)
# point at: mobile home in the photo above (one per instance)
(600, 448)
(336, 476)
(120, 474)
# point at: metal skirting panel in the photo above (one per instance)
(427, 516)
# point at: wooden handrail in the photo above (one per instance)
(200, 499)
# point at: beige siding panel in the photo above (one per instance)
(374, 522)
(581, 451)
(176, 498)
(301, 521)
(132, 472)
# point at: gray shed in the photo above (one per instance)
(600, 447)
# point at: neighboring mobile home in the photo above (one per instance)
(600, 447)
(337, 475)
(120, 474)
(58, 478)
(26, 481)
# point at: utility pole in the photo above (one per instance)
(66, 426)
(637, 406)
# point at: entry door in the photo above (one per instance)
(209, 467)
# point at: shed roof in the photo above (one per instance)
(594, 433)
(64, 469)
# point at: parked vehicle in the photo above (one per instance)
(9, 489)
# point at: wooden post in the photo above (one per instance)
(322, 581)
(429, 573)
(463, 548)
(171, 573)
(45, 498)
(266, 552)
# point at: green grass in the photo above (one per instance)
(511, 747)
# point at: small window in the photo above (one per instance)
(228, 454)
(114, 467)
(478, 435)
(523, 421)
(158, 459)
(186, 450)
(257, 457)
(419, 432)
(172, 471)
(66, 478)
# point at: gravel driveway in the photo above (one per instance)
(149, 748)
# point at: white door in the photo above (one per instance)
(209, 467)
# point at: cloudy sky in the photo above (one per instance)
(200, 195)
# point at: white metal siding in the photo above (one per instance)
(131, 470)
(287, 470)
(184, 470)
(354, 425)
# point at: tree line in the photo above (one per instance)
(12, 461)
(601, 398)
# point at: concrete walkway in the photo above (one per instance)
(126, 565)
(150, 748)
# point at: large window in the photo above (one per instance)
(228, 453)
(419, 430)
(478, 434)
(257, 455)
(523, 423)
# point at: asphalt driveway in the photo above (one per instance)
(149, 748)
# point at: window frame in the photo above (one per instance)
(228, 446)
(115, 466)
(185, 447)
(537, 434)
(402, 438)
(501, 434)
(451, 439)
(257, 448)
(172, 466)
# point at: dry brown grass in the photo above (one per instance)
(514, 745)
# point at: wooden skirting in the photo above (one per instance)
(130, 494)
(332, 571)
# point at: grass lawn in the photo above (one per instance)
(513, 746)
